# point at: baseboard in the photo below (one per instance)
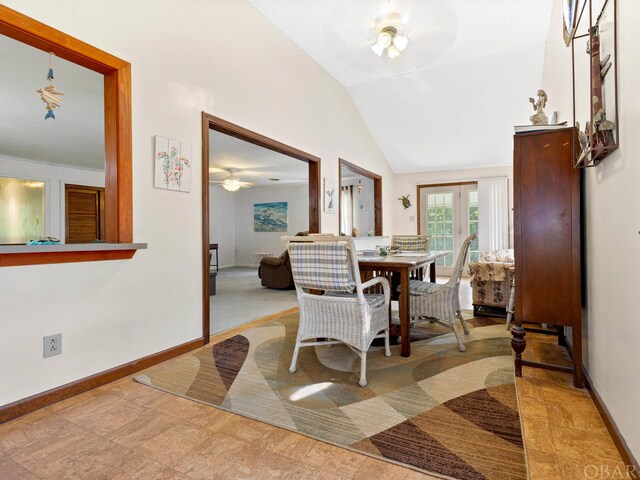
(40, 400)
(618, 439)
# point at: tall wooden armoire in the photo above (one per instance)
(547, 199)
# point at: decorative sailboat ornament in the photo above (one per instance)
(49, 94)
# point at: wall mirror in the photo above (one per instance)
(360, 201)
(87, 145)
(595, 97)
(52, 171)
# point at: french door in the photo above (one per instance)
(448, 214)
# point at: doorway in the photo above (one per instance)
(252, 140)
(84, 214)
(360, 200)
(448, 213)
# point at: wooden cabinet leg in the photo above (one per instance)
(519, 344)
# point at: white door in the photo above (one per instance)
(448, 215)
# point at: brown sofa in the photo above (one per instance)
(275, 272)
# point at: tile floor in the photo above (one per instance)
(125, 430)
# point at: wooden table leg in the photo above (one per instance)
(519, 344)
(405, 315)
(432, 272)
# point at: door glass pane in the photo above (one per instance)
(21, 210)
(440, 225)
(473, 224)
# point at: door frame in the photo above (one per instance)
(377, 194)
(420, 186)
(211, 122)
(457, 222)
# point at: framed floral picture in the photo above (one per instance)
(172, 165)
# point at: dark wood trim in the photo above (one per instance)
(377, 193)
(420, 186)
(450, 184)
(211, 122)
(35, 402)
(609, 422)
(206, 265)
(117, 117)
(42, 258)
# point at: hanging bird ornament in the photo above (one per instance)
(49, 94)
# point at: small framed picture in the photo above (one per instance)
(330, 195)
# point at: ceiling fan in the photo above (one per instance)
(231, 182)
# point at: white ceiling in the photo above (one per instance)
(451, 99)
(76, 136)
(253, 163)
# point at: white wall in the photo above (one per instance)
(405, 221)
(183, 63)
(611, 329)
(222, 224)
(55, 178)
(248, 241)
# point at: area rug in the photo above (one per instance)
(443, 412)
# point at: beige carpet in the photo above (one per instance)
(443, 412)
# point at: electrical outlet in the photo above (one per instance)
(52, 345)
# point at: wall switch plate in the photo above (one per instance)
(52, 345)
(412, 218)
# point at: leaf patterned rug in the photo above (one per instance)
(440, 411)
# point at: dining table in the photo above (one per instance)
(400, 269)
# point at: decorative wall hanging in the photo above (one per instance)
(595, 90)
(406, 203)
(49, 94)
(329, 195)
(270, 217)
(172, 165)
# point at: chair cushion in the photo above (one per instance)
(322, 266)
(418, 287)
(374, 299)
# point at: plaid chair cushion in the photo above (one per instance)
(411, 244)
(321, 266)
(373, 299)
(418, 287)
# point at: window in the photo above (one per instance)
(22, 210)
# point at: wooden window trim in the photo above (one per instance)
(117, 122)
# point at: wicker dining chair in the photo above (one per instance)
(413, 243)
(340, 314)
(441, 301)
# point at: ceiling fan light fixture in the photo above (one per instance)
(386, 37)
(377, 49)
(400, 41)
(391, 35)
(231, 184)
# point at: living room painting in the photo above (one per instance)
(270, 217)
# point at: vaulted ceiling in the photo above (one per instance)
(452, 98)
